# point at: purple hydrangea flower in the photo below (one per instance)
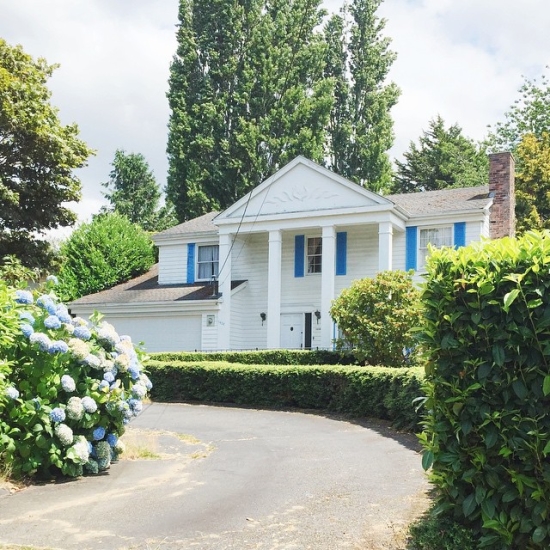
(27, 330)
(57, 415)
(46, 302)
(82, 332)
(68, 383)
(41, 339)
(26, 316)
(99, 433)
(12, 393)
(23, 297)
(59, 346)
(109, 377)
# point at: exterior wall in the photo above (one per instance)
(398, 261)
(475, 231)
(502, 187)
(173, 264)
(159, 333)
(209, 332)
(249, 262)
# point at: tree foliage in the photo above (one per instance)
(530, 114)
(101, 254)
(37, 158)
(443, 158)
(375, 317)
(360, 130)
(255, 83)
(533, 183)
(133, 192)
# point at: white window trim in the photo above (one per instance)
(197, 263)
(307, 272)
(423, 253)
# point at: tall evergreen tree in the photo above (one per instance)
(247, 94)
(133, 192)
(361, 128)
(444, 157)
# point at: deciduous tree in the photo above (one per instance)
(37, 158)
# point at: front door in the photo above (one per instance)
(292, 330)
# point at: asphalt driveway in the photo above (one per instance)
(247, 479)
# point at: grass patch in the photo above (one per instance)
(140, 445)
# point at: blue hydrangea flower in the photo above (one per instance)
(26, 316)
(82, 332)
(12, 393)
(92, 361)
(90, 406)
(23, 297)
(112, 439)
(27, 330)
(136, 405)
(41, 339)
(144, 379)
(103, 384)
(52, 279)
(109, 377)
(46, 302)
(63, 313)
(52, 322)
(99, 433)
(134, 371)
(68, 383)
(139, 391)
(57, 415)
(59, 346)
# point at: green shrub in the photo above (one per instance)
(101, 254)
(440, 533)
(487, 437)
(375, 317)
(67, 387)
(262, 357)
(379, 392)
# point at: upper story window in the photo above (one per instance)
(207, 262)
(314, 254)
(434, 236)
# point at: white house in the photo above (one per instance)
(262, 274)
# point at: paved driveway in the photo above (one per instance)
(252, 479)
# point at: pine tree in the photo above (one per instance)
(444, 157)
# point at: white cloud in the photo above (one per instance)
(461, 59)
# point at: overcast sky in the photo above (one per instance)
(462, 59)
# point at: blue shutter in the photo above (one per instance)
(410, 248)
(460, 234)
(191, 263)
(299, 255)
(341, 252)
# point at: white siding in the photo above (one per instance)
(475, 231)
(178, 333)
(173, 264)
(209, 333)
(249, 262)
(399, 250)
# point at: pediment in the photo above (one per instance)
(301, 186)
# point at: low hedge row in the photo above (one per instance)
(379, 392)
(262, 357)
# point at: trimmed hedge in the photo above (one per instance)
(379, 392)
(262, 357)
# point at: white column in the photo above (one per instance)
(224, 287)
(274, 291)
(385, 246)
(327, 284)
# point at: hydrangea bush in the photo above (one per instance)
(68, 386)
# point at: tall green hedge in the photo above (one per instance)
(379, 392)
(487, 437)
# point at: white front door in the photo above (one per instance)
(292, 330)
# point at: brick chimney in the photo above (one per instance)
(502, 188)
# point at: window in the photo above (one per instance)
(207, 262)
(435, 236)
(314, 254)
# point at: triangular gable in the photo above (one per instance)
(301, 186)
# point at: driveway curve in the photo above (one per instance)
(238, 479)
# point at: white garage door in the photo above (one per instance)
(161, 334)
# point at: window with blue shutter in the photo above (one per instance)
(410, 248)
(299, 255)
(341, 252)
(460, 234)
(191, 263)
